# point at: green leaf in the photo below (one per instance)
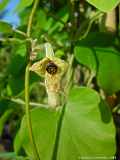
(5, 27)
(59, 53)
(17, 62)
(104, 5)
(104, 61)
(44, 126)
(86, 57)
(98, 39)
(41, 20)
(82, 133)
(4, 118)
(16, 85)
(108, 76)
(3, 4)
(23, 4)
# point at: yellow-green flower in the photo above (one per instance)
(53, 69)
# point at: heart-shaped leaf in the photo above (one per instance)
(82, 133)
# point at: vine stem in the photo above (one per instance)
(69, 75)
(28, 117)
(92, 75)
(77, 35)
(21, 102)
(31, 18)
(20, 32)
(27, 79)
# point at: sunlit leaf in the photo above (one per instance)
(82, 133)
(104, 5)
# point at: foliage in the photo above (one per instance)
(82, 125)
(73, 135)
(104, 5)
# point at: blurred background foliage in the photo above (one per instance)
(72, 27)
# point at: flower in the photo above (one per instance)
(53, 69)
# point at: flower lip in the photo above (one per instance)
(51, 68)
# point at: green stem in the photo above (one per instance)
(20, 32)
(89, 24)
(27, 77)
(28, 117)
(31, 18)
(21, 102)
(58, 133)
(10, 40)
(69, 75)
(92, 75)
